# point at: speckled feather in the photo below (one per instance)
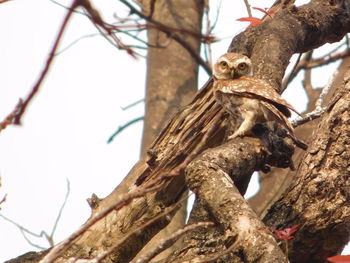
(251, 87)
(247, 98)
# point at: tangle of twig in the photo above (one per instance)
(56, 251)
(319, 110)
(170, 33)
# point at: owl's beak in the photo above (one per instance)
(232, 73)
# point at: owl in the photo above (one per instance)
(247, 99)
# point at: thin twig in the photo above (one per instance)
(104, 254)
(94, 15)
(4, 1)
(247, 5)
(318, 62)
(325, 90)
(132, 104)
(121, 128)
(75, 42)
(25, 231)
(319, 110)
(308, 117)
(48, 237)
(67, 7)
(3, 200)
(307, 58)
(35, 89)
(216, 17)
(9, 118)
(292, 74)
(139, 229)
(60, 211)
(170, 33)
(123, 200)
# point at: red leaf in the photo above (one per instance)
(265, 11)
(261, 10)
(253, 20)
(339, 259)
(286, 233)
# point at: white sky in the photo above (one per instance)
(66, 127)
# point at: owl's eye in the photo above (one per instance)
(224, 64)
(242, 66)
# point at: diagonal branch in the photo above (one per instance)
(170, 33)
(47, 66)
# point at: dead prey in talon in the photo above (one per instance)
(246, 97)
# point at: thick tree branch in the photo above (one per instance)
(189, 126)
(236, 222)
(271, 44)
(318, 199)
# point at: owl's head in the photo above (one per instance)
(232, 66)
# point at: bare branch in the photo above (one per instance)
(25, 231)
(121, 128)
(60, 211)
(139, 229)
(3, 200)
(4, 1)
(9, 119)
(307, 77)
(170, 33)
(292, 74)
(121, 202)
(46, 69)
(74, 42)
(319, 110)
(307, 63)
(132, 104)
(247, 5)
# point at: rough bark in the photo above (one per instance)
(292, 30)
(238, 230)
(318, 198)
(273, 184)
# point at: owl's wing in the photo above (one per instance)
(281, 118)
(258, 89)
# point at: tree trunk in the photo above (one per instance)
(168, 86)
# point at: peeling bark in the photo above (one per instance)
(168, 86)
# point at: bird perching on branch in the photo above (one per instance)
(247, 99)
